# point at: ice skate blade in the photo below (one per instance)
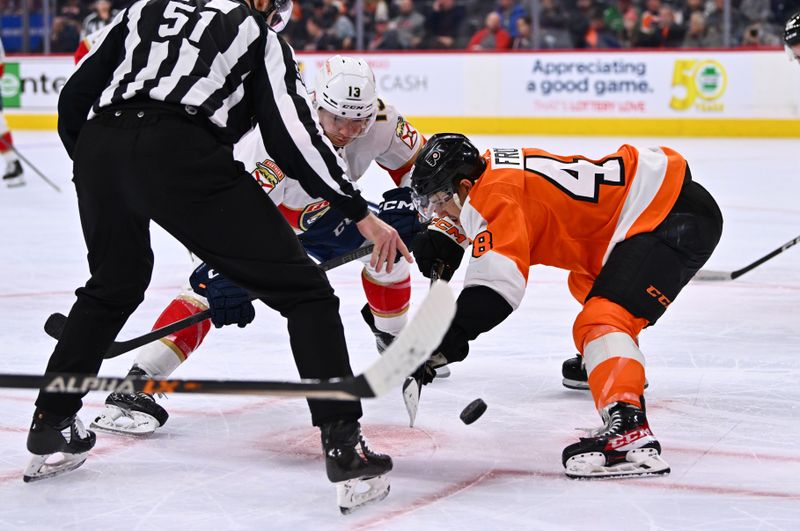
(14, 182)
(39, 469)
(354, 494)
(134, 423)
(578, 385)
(639, 463)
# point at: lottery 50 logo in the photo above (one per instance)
(698, 85)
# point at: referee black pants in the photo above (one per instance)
(137, 164)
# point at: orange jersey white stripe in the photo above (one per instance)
(533, 207)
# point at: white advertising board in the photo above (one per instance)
(692, 86)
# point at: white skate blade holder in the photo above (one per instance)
(39, 468)
(123, 422)
(638, 462)
(354, 494)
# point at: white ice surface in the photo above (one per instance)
(723, 399)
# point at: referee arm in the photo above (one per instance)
(292, 134)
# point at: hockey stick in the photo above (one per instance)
(409, 349)
(26, 161)
(412, 386)
(54, 326)
(705, 274)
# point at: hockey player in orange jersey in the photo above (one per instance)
(632, 228)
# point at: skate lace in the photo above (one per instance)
(362, 449)
(80, 430)
(612, 425)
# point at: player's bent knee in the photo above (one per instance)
(600, 316)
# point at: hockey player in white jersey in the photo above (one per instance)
(364, 129)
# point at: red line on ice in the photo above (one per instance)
(650, 483)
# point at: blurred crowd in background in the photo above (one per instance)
(334, 25)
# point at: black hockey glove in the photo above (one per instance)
(442, 241)
(229, 304)
(426, 373)
(398, 210)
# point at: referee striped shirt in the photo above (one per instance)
(219, 57)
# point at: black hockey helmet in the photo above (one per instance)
(791, 32)
(444, 160)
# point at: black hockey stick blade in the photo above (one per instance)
(709, 275)
(54, 326)
(408, 351)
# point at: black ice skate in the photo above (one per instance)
(574, 374)
(136, 414)
(358, 472)
(382, 339)
(50, 435)
(624, 447)
(14, 176)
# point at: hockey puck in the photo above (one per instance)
(473, 411)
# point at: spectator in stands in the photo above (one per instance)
(343, 28)
(698, 35)
(715, 19)
(510, 11)
(318, 38)
(671, 32)
(324, 13)
(409, 23)
(372, 10)
(524, 38)
(444, 24)
(65, 35)
(384, 37)
(759, 34)
(630, 28)
(650, 25)
(658, 28)
(493, 36)
(553, 24)
(598, 35)
(689, 7)
(579, 20)
(295, 31)
(755, 11)
(101, 17)
(614, 13)
(72, 10)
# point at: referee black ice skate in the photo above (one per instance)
(149, 118)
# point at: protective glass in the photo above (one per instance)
(426, 205)
(343, 130)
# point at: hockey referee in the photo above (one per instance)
(149, 118)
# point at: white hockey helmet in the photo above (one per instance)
(346, 98)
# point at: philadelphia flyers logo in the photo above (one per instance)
(433, 159)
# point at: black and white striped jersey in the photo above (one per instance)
(219, 57)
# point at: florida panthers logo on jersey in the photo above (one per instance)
(311, 214)
(268, 174)
(406, 132)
